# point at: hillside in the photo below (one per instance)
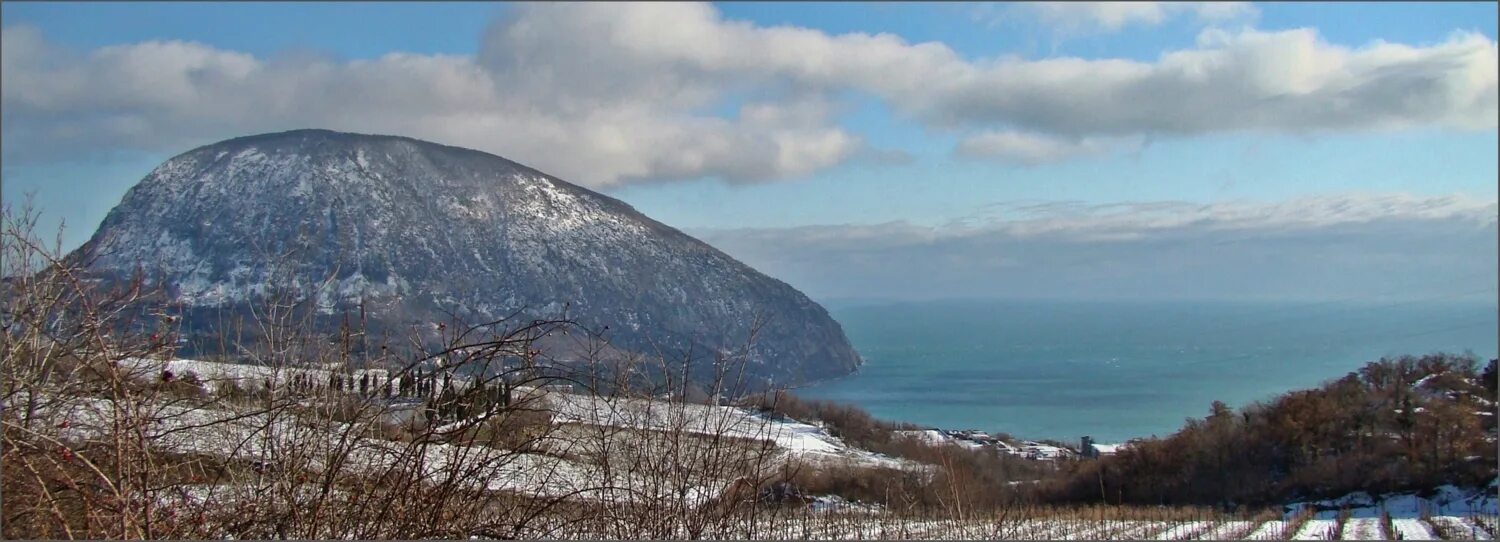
(591, 466)
(408, 236)
(1408, 424)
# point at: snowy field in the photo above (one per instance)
(250, 436)
(799, 440)
(1445, 501)
(796, 439)
(291, 442)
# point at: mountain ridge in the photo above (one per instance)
(413, 229)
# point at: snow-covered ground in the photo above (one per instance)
(287, 441)
(869, 526)
(798, 439)
(801, 440)
(1445, 501)
(219, 430)
(1413, 529)
(1184, 531)
(1362, 529)
(1317, 529)
(1270, 530)
(222, 431)
(253, 436)
(1451, 510)
(1229, 530)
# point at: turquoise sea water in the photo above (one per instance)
(1119, 370)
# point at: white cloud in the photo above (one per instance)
(168, 96)
(606, 93)
(1287, 81)
(1290, 81)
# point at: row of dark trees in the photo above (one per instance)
(418, 385)
(443, 401)
(1404, 424)
(450, 404)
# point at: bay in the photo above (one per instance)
(1117, 370)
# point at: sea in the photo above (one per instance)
(1119, 370)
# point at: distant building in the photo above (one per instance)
(1042, 452)
(556, 388)
(973, 435)
(926, 436)
(1095, 450)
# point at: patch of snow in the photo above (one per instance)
(1413, 529)
(1446, 500)
(801, 440)
(1270, 530)
(1316, 529)
(1183, 531)
(1229, 530)
(1362, 529)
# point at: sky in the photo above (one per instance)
(877, 151)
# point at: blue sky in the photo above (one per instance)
(681, 138)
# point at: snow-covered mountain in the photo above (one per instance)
(415, 229)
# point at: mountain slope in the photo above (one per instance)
(413, 229)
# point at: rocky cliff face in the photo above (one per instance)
(415, 230)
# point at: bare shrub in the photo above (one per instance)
(459, 429)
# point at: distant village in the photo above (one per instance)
(1029, 449)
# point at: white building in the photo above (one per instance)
(1095, 450)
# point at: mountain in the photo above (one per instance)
(412, 230)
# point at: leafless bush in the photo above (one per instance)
(310, 437)
(475, 430)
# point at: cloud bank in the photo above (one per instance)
(605, 93)
(1354, 246)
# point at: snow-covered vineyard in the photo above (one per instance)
(873, 527)
(1450, 514)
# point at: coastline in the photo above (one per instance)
(821, 381)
